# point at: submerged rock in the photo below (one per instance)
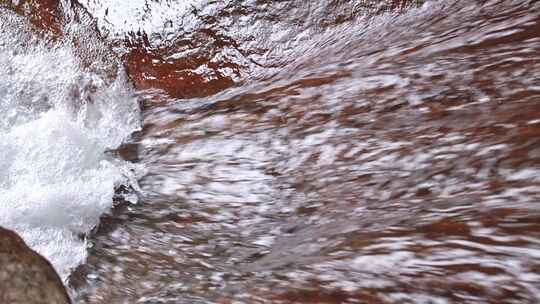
(45, 14)
(196, 49)
(25, 276)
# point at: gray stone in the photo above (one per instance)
(25, 276)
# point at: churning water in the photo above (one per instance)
(58, 120)
(325, 151)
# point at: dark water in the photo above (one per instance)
(326, 152)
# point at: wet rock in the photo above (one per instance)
(25, 276)
(45, 14)
(200, 48)
(178, 78)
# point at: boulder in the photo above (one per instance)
(25, 276)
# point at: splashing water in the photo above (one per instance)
(58, 120)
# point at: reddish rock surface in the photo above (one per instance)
(213, 46)
(45, 14)
(150, 70)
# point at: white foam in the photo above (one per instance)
(119, 18)
(57, 120)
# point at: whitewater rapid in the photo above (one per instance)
(59, 118)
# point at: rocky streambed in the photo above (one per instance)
(299, 151)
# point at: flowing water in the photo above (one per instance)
(291, 151)
(59, 117)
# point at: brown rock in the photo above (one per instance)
(45, 14)
(150, 70)
(25, 276)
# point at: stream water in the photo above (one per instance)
(291, 151)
